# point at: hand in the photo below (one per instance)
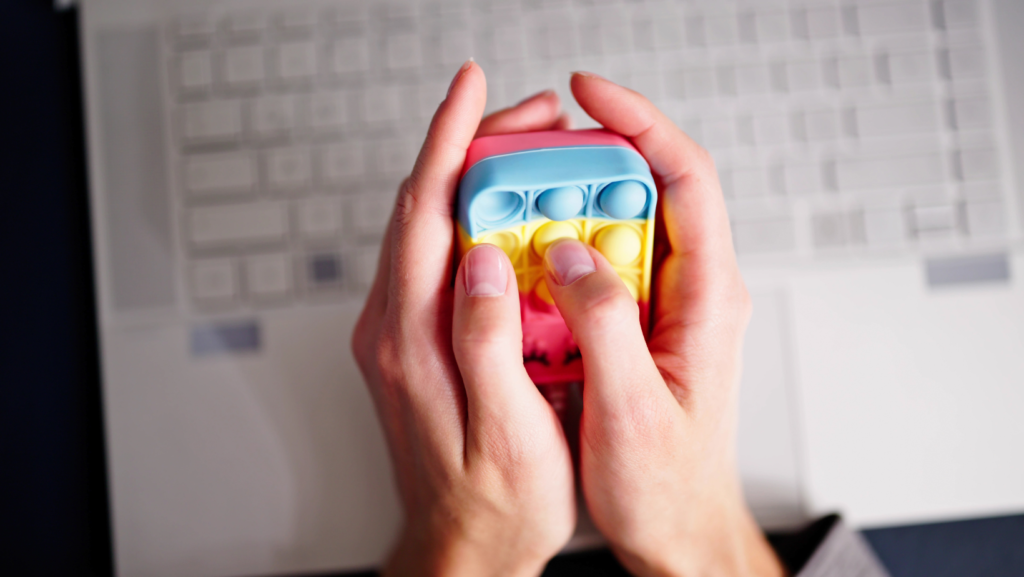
(479, 457)
(659, 417)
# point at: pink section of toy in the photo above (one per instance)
(488, 146)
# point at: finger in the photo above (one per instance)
(604, 320)
(693, 205)
(487, 338)
(563, 122)
(537, 112)
(423, 226)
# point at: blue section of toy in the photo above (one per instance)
(555, 183)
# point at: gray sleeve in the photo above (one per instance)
(843, 553)
(826, 548)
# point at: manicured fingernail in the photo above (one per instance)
(485, 271)
(465, 67)
(538, 95)
(569, 261)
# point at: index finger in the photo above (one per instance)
(693, 206)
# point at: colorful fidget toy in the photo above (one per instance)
(521, 192)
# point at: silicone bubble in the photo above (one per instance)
(497, 205)
(561, 203)
(551, 232)
(506, 241)
(623, 199)
(619, 243)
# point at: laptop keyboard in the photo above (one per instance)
(839, 129)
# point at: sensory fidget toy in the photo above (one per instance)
(522, 192)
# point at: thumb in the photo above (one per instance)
(604, 320)
(487, 338)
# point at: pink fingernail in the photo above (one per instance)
(586, 74)
(569, 261)
(465, 67)
(485, 271)
(538, 95)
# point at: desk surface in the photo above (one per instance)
(55, 502)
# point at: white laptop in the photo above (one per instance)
(243, 157)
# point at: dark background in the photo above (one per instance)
(53, 500)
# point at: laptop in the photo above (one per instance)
(243, 156)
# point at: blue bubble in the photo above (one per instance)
(561, 203)
(622, 200)
(496, 206)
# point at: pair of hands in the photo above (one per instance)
(481, 461)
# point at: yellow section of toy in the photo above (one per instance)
(627, 244)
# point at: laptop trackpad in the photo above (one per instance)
(910, 393)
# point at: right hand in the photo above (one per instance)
(658, 426)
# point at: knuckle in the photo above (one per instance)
(610, 309)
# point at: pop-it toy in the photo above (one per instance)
(522, 192)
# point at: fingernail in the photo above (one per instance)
(465, 67)
(569, 261)
(485, 271)
(538, 95)
(585, 74)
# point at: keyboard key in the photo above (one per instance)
(803, 76)
(699, 83)
(268, 275)
(342, 161)
(863, 173)
(907, 67)
(954, 14)
(763, 236)
(912, 118)
(830, 230)
(816, 125)
(976, 164)
(933, 221)
(822, 22)
(320, 217)
(963, 62)
(212, 121)
(273, 115)
(888, 18)
(746, 27)
(753, 79)
(244, 66)
(395, 156)
(382, 104)
(749, 183)
(970, 113)
(985, 218)
(770, 129)
(296, 61)
(350, 55)
(369, 213)
(195, 71)
(721, 30)
(298, 19)
(364, 262)
(456, 44)
(323, 270)
(772, 26)
(233, 173)
(403, 51)
(213, 280)
(328, 111)
(195, 25)
(719, 133)
(884, 227)
(228, 225)
(288, 169)
(855, 71)
(695, 33)
(802, 178)
(246, 23)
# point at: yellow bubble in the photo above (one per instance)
(543, 292)
(551, 232)
(506, 241)
(631, 284)
(619, 243)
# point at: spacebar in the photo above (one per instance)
(248, 223)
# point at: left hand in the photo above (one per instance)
(480, 459)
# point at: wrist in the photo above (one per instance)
(429, 554)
